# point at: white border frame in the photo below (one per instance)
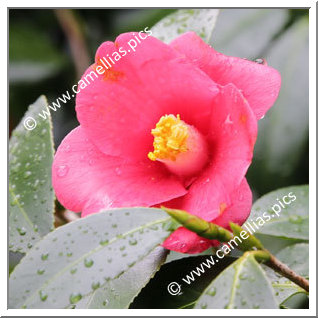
(312, 158)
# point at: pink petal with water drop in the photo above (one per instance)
(259, 83)
(86, 180)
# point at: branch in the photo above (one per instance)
(249, 245)
(285, 271)
(74, 35)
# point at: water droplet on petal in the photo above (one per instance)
(228, 120)
(62, 171)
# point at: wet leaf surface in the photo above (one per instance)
(31, 205)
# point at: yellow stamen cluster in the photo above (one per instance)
(170, 136)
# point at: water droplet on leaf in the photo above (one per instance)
(44, 256)
(27, 174)
(21, 230)
(103, 242)
(88, 262)
(133, 242)
(43, 295)
(95, 285)
(74, 298)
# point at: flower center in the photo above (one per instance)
(170, 136)
(179, 146)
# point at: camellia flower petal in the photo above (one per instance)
(118, 112)
(259, 83)
(87, 180)
(170, 125)
(237, 211)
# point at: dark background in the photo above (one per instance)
(49, 49)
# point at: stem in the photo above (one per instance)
(74, 35)
(64, 216)
(69, 216)
(251, 245)
(259, 255)
(285, 271)
(201, 227)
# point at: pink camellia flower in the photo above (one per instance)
(167, 124)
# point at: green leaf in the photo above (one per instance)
(33, 56)
(289, 225)
(296, 258)
(282, 145)
(31, 195)
(120, 292)
(296, 301)
(201, 21)
(156, 295)
(76, 258)
(246, 33)
(285, 290)
(241, 285)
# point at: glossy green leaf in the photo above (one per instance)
(77, 258)
(201, 21)
(241, 285)
(296, 301)
(33, 55)
(183, 272)
(282, 143)
(120, 292)
(295, 257)
(246, 33)
(289, 225)
(31, 195)
(285, 290)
